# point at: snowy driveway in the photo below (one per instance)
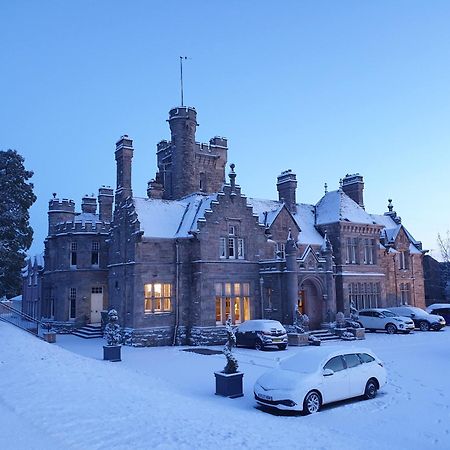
(164, 398)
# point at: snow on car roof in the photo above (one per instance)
(310, 359)
(438, 306)
(259, 324)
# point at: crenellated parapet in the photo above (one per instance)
(81, 227)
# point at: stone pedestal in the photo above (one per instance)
(112, 353)
(49, 337)
(359, 333)
(297, 339)
(229, 384)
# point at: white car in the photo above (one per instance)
(383, 319)
(318, 375)
(422, 320)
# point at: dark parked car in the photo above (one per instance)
(440, 309)
(261, 333)
(422, 320)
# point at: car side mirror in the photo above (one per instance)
(413, 315)
(328, 372)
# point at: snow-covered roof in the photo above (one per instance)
(268, 210)
(86, 217)
(171, 218)
(336, 206)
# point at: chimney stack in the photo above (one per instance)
(89, 204)
(353, 186)
(105, 202)
(287, 186)
(124, 155)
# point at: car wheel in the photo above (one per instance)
(259, 345)
(282, 346)
(312, 402)
(391, 328)
(424, 326)
(371, 389)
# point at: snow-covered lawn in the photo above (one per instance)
(63, 396)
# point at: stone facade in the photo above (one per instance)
(196, 250)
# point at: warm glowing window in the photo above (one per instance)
(157, 297)
(232, 299)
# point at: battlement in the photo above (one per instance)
(183, 112)
(61, 205)
(218, 141)
(81, 227)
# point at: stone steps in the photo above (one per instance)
(91, 331)
(324, 335)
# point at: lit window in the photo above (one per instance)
(232, 300)
(157, 298)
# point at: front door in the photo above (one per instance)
(96, 304)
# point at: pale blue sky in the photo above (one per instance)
(322, 87)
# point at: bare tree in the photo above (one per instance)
(444, 246)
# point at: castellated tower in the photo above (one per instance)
(184, 165)
(60, 211)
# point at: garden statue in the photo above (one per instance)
(232, 363)
(112, 329)
(340, 320)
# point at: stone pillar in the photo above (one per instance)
(291, 281)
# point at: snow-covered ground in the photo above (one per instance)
(63, 396)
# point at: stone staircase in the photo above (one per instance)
(91, 331)
(324, 335)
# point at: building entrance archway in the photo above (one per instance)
(310, 302)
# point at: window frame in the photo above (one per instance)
(164, 301)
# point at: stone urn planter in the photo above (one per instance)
(50, 337)
(229, 384)
(112, 353)
(229, 380)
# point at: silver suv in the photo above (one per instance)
(422, 320)
(383, 319)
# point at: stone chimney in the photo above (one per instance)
(353, 186)
(287, 186)
(124, 155)
(105, 202)
(89, 204)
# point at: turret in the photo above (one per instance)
(183, 124)
(353, 186)
(287, 186)
(60, 211)
(105, 202)
(124, 155)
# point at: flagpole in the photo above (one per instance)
(181, 78)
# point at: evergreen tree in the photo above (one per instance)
(16, 235)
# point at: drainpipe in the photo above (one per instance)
(177, 285)
(413, 280)
(261, 287)
(395, 280)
